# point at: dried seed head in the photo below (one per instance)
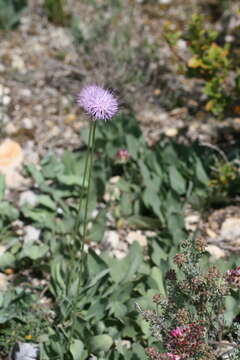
(179, 259)
(206, 352)
(213, 273)
(182, 316)
(171, 275)
(200, 244)
(151, 353)
(149, 315)
(157, 299)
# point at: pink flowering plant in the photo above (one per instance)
(190, 323)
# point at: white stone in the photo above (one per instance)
(60, 38)
(2, 68)
(181, 44)
(18, 63)
(165, 2)
(6, 100)
(119, 254)
(1, 90)
(11, 129)
(25, 92)
(27, 123)
(7, 90)
(114, 179)
(136, 236)
(111, 238)
(171, 132)
(3, 282)
(31, 234)
(28, 197)
(2, 250)
(24, 351)
(5, 117)
(229, 38)
(230, 229)
(191, 222)
(215, 252)
(4, 90)
(17, 227)
(31, 157)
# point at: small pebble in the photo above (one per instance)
(31, 234)
(28, 197)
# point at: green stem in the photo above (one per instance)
(87, 199)
(90, 154)
(75, 233)
(78, 217)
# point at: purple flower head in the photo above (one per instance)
(98, 102)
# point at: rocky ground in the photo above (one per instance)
(42, 71)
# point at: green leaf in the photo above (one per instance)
(178, 183)
(97, 311)
(152, 200)
(77, 349)
(98, 277)
(126, 204)
(117, 309)
(46, 201)
(42, 217)
(200, 172)
(6, 259)
(232, 309)
(138, 352)
(35, 173)
(125, 269)
(70, 180)
(2, 186)
(99, 227)
(157, 253)
(156, 274)
(8, 211)
(95, 264)
(168, 155)
(51, 166)
(144, 222)
(34, 252)
(100, 343)
(132, 145)
(146, 174)
(57, 276)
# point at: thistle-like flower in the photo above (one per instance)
(99, 103)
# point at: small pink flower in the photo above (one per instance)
(98, 102)
(122, 155)
(233, 277)
(186, 339)
(235, 272)
(177, 332)
(173, 356)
